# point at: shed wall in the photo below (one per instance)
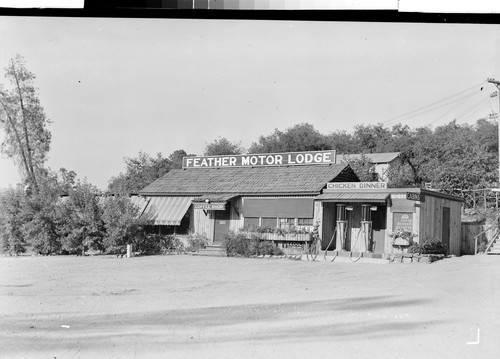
(431, 221)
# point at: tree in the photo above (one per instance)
(42, 215)
(82, 228)
(27, 139)
(301, 137)
(222, 146)
(362, 167)
(120, 217)
(12, 240)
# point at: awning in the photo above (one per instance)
(354, 197)
(140, 202)
(217, 198)
(166, 211)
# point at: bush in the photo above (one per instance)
(11, 237)
(244, 245)
(196, 242)
(171, 244)
(430, 246)
(120, 222)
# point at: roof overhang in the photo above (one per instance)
(355, 197)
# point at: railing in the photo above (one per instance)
(284, 237)
(493, 237)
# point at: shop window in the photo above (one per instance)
(286, 223)
(305, 222)
(269, 222)
(251, 222)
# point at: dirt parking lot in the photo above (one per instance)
(205, 307)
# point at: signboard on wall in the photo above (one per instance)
(356, 185)
(412, 196)
(210, 206)
(265, 159)
(402, 220)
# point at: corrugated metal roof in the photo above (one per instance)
(378, 197)
(166, 211)
(250, 180)
(374, 158)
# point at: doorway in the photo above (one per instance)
(221, 227)
(445, 231)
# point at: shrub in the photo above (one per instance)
(242, 244)
(430, 246)
(11, 236)
(171, 244)
(196, 242)
(121, 223)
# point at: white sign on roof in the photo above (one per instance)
(265, 159)
(342, 186)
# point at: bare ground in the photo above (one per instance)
(205, 307)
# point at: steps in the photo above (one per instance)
(495, 248)
(212, 251)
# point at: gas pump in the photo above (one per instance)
(366, 227)
(341, 227)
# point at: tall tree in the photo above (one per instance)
(27, 139)
(301, 137)
(222, 146)
(144, 169)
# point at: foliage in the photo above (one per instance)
(277, 230)
(403, 234)
(222, 146)
(430, 246)
(83, 227)
(143, 170)
(27, 139)
(362, 167)
(12, 240)
(42, 216)
(249, 245)
(196, 242)
(172, 244)
(301, 137)
(120, 222)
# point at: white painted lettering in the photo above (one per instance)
(279, 159)
(299, 158)
(217, 162)
(261, 158)
(188, 162)
(196, 162)
(290, 160)
(245, 160)
(204, 163)
(318, 157)
(225, 161)
(253, 160)
(308, 157)
(232, 161)
(270, 160)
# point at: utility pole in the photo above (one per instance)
(497, 84)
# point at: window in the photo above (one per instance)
(269, 222)
(305, 222)
(286, 223)
(251, 222)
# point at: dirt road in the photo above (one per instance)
(203, 307)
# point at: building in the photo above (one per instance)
(380, 161)
(284, 195)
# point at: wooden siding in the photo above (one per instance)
(236, 215)
(203, 223)
(431, 220)
(469, 231)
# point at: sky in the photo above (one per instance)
(113, 87)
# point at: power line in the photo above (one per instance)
(438, 104)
